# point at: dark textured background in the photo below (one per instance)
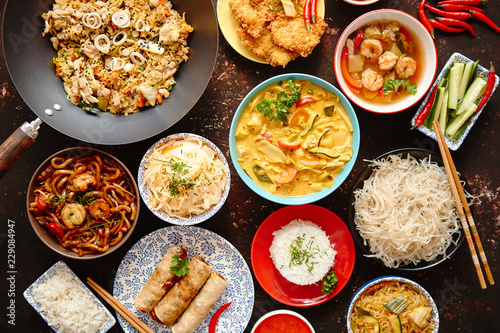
(463, 306)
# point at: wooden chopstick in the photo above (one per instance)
(122, 310)
(454, 185)
(469, 216)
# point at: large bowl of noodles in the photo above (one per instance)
(418, 248)
(77, 179)
(367, 309)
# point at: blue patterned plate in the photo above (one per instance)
(144, 191)
(480, 71)
(141, 260)
(59, 267)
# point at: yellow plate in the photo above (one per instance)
(227, 24)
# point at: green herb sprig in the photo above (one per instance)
(330, 280)
(277, 109)
(302, 255)
(394, 85)
(179, 266)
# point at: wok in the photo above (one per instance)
(29, 61)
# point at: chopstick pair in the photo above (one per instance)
(122, 310)
(462, 205)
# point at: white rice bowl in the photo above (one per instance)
(315, 242)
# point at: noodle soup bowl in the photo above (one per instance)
(144, 191)
(367, 287)
(50, 240)
(309, 198)
(427, 60)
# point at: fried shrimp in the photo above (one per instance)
(406, 67)
(371, 48)
(372, 80)
(387, 61)
(73, 214)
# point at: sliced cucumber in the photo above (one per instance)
(396, 324)
(366, 323)
(436, 107)
(466, 78)
(472, 94)
(456, 123)
(456, 73)
(443, 115)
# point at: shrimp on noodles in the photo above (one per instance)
(87, 202)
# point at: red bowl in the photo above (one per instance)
(269, 277)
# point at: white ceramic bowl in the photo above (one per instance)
(369, 284)
(428, 54)
(277, 312)
(361, 2)
(144, 191)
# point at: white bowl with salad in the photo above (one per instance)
(385, 61)
(456, 100)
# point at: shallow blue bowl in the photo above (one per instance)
(311, 197)
(434, 314)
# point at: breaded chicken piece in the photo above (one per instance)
(292, 34)
(265, 48)
(251, 18)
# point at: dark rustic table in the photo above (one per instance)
(463, 305)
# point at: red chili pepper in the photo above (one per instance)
(213, 321)
(40, 202)
(441, 26)
(304, 101)
(425, 110)
(359, 38)
(457, 23)
(314, 10)
(424, 19)
(489, 87)
(461, 2)
(455, 15)
(483, 18)
(449, 7)
(54, 229)
(307, 14)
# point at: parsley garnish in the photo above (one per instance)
(277, 109)
(330, 280)
(393, 86)
(178, 184)
(179, 266)
(301, 255)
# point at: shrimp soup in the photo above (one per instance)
(294, 138)
(382, 62)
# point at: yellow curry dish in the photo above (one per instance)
(294, 138)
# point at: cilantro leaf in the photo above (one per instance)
(179, 266)
(330, 280)
(394, 85)
(277, 109)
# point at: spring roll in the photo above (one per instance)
(199, 307)
(159, 282)
(184, 290)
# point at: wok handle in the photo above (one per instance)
(17, 144)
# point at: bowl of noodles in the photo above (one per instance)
(402, 212)
(184, 179)
(392, 304)
(83, 203)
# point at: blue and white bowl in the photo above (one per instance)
(143, 190)
(434, 314)
(307, 198)
(480, 71)
(58, 267)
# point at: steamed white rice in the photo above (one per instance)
(313, 242)
(67, 306)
